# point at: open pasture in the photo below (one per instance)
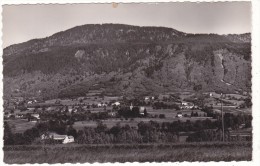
(233, 110)
(133, 122)
(20, 125)
(171, 113)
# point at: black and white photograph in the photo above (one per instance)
(127, 82)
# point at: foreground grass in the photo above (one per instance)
(128, 153)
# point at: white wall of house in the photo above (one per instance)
(68, 139)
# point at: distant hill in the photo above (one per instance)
(126, 60)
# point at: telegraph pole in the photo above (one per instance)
(222, 119)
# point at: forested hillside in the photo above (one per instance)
(126, 60)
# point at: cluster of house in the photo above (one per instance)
(188, 105)
(32, 101)
(149, 98)
(64, 139)
(117, 103)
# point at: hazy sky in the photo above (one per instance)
(25, 22)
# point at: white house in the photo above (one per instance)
(142, 108)
(70, 110)
(113, 114)
(186, 105)
(68, 139)
(18, 115)
(116, 103)
(37, 116)
(102, 105)
(131, 106)
(179, 115)
(146, 98)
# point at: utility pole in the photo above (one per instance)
(222, 117)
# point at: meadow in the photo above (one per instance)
(79, 125)
(20, 125)
(73, 153)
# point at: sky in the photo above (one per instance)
(25, 22)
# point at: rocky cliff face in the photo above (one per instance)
(126, 60)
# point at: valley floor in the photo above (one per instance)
(74, 153)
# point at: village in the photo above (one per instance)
(22, 114)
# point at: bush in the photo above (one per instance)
(162, 116)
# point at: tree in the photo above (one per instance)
(162, 116)
(145, 113)
(8, 135)
(72, 132)
(31, 134)
(197, 87)
(248, 102)
(19, 139)
(115, 130)
(135, 112)
(101, 127)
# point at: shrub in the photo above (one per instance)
(162, 116)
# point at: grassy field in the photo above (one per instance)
(233, 110)
(20, 125)
(170, 116)
(133, 122)
(74, 153)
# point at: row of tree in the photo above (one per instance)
(150, 132)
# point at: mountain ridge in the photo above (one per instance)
(85, 26)
(127, 60)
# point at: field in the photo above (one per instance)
(170, 116)
(20, 125)
(132, 122)
(73, 153)
(233, 110)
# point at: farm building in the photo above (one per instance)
(58, 138)
(33, 118)
(187, 105)
(142, 108)
(68, 139)
(131, 106)
(116, 103)
(37, 116)
(149, 98)
(8, 115)
(112, 114)
(19, 115)
(179, 115)
(102, 105)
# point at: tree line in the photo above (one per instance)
(149, 132)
